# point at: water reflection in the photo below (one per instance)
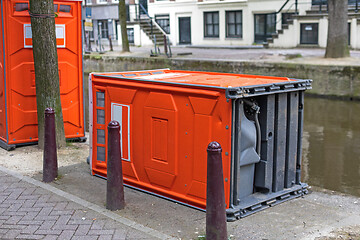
(331, 145)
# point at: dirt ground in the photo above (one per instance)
(28, 160)
(349, 233)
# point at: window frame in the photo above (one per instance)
(206, 34)
(228, 35)
(260, 36)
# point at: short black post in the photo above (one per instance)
(110, 44)
(50, 166)
(215, 197)
(165, 45)
(115, 187)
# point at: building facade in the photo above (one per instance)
(104, 17)
(273, 23)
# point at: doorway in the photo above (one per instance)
(184, 30)
(309, 33)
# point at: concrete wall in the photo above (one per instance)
(340, 81)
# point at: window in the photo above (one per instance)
(65, 8)
(19, 7)
(127, 7)
(324, 2)
(211, 24)
(88, 2)
(164, 22)
(130, 33)
(102, 1)
(100, 126)
(285, 17)
(265, 26)
(309, 33)
(103, 28)
(234, 24)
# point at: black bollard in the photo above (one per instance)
(115, 188)
(50, 166)
(215, 197)
(165, 46)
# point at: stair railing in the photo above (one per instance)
(283, 6)
(152, 23)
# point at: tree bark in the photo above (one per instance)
(46, 67)
(337, 40)
(122, 21)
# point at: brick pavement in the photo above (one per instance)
(30, 209)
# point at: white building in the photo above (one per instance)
(245, 22)
(274, 23)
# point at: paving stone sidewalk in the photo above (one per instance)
(30, 209)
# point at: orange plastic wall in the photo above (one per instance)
(20, 75)
(2, 95)
(170, 129)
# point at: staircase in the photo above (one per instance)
(152, 30)
(279, 32)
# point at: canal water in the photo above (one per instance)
(331, 145)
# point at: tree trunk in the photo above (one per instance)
(337, 40)
(122, 21)
(46, 67)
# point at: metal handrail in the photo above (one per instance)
(152, 23)
(288, 10)
(282, 7)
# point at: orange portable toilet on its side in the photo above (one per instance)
(168, 117)
(18, 114)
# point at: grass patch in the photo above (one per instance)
(59, 177)
(293, 56)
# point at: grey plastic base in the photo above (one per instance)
(10, 147)
(7, 147)
(252, 204)
(77, 139)
(259, 201)
(155, 194)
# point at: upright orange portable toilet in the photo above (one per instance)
(168, 117)
(18, 115)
